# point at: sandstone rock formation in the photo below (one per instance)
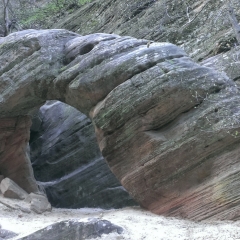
(67, 161)
(201, 27)
(15, 163)
(167, 127)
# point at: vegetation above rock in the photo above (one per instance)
(37, 14)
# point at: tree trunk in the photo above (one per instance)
(233, 20)
(6, 17)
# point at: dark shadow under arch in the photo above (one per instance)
(67, 161)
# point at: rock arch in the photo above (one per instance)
(164, 123)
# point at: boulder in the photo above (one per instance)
(75, 230)
(10, 189)
(39, 203)
(6, 234)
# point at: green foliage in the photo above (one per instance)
(45, 16)
(83, 1)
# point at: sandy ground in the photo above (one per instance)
(138, 224)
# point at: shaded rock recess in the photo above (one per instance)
(67, 161)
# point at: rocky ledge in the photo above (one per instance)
(167, 127)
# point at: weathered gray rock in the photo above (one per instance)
(226, 62)
(67, 161)
(75, 230)
(6, 234)
(60, 72)
(39, 203)
(165, 124)
(10, 189)
(22, 207)
(201, 28)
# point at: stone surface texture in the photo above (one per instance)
(67, 161)
(75, 230)
(201, 27)
(167, 127)
(14, 158)
(10, 189)
(6, 234)
(227, 62)
(39, 203)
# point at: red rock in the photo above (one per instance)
(14, 160)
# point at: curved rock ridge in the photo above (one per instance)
(58, 64)
(167, 127)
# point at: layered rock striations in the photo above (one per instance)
(227, 62)
(167, 127)
(14, 151)
(201, 27)
(180, 136)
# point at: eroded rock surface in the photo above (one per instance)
(14, 158)
(167, 127)
(67, 161)
(226, 62)
(201, 27)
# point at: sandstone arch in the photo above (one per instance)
(164, 124)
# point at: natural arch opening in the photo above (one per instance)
(67, 161)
